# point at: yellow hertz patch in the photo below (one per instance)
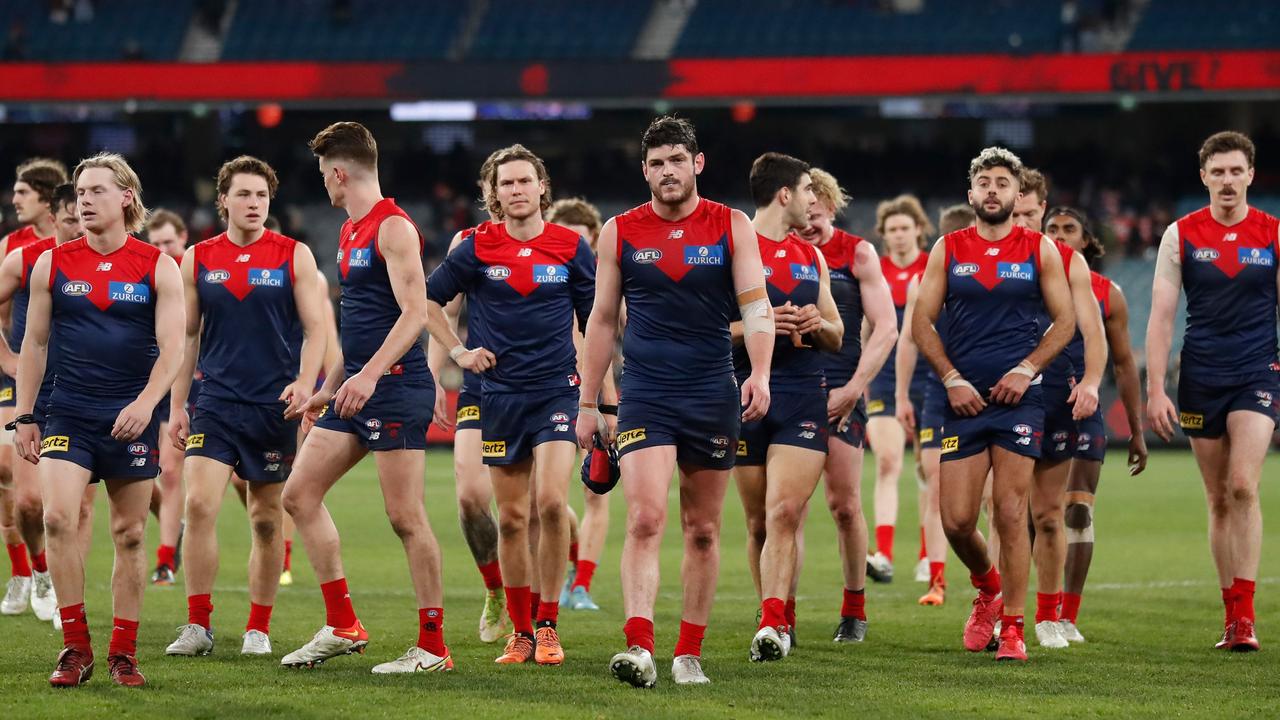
(495, 448)
(6, 394)
(742, 448)
(630, 436)
(55, 443)
(1191, 421)
(875, 406)
(950, 444)
(195, 441)
(926, 435)
(468, 412)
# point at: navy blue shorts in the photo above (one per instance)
(469, 407)
(8, 392)
(855, 433)
(929, 419)
(1203, 408)
(1091, 438)
(83, 436)
(703, 427)
(1059, 426)
(254, 440)
(796, 417)
(1016, 428)
(395, 418)
(882, 393)
(515, 423)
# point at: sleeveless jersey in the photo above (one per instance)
(899, 280)
(18, 240)
(1068, 364)
(525, 295)
(368, 307)
(791, 274)
(992, 303)
(1074, 351)
(22, 298)
(839, 253)
(677, 281)
(103, 329)
(251, 337)
(1229, 274)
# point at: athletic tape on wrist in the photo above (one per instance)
(1024, 368)
(457, 351)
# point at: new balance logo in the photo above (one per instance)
(676, 235)
(104, 266)
(993, 251)
(524, 252)
(243, 258)
(1229, 237)
(780, 253)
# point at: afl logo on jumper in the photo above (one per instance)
(647, 256)
(964, 269)
(497, 272)
(76, 288)
(217, 277)
(1205, 254)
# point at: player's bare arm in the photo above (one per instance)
(961, 394)
(1165, 288)
(10, 282)
(753, 300)
(880, 329)
(1084, 396)
(34, 357)
(179, 421)
(1056, 292)
(904, 362)
(601, 337)
(170, 320)
(437, 353)
(306, 298)
(1127, 381)
(398, 243)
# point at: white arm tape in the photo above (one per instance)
(953, 379)
(1024, 368)
(755, 317)
(457, 351)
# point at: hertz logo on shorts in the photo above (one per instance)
(6, 394)
(875, 406)
(195, 441)
(468, 412)
(55, 443)
(1191, 421)
(950, 444)
(495, 448)
(926, 435)
(742, 448)
(630, 436)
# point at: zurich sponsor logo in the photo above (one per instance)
(138, 449)
(497, 272)
(964, 269)
(550, 274)
(76, 288)
(264, 277)
(647, 256)
(129, 292)
(1015, 271)
(1022, 429)
(1257, 256)
(217, 277)
(804, 273)
(703, 255)
(1205, 254)
(360, 257)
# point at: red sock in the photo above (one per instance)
(431, 631)
(18, 564)
(1047, 606)
(937, 570)
(1007, 621)
(1070, 607)
(39, 564)
(75, 625)
(690, 640)
(518, 600)
(791, 611)
(492, 575)
(884, 540)
(639, 631)
(773, 612)
(124, 637)
(259, 618)
(535, 599)
(573, 553)
(987, 583)
(855, 604)
(165, 555)
(338, 611)
(199, 608)
(586, 571)
(1243, 591)
(1229, 604)
(923, 554)
(548, 613)
(288, 554)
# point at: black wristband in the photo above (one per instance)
(606, 409)
(26, 419)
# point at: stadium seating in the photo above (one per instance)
(310, 30)
(141, 29)
(1196, 25)
(559, 29)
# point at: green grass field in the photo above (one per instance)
(1151, 614)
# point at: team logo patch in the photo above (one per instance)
(742, 448)
(804, 273)
(720, 441)
(560, 417)
(497, 272)
(264, 277)
(55, 443)
(703, 255)
(195, 441)
(129, 292)
(1015, 271)
(76, 288)
(1257, 256)
(373, 423)
(553, 274)
(272, 456)
(1191, 421)
(138, 449)
(1264, 397)
(630, 436)
(360, 257)
(875, 406)
(964, 269)
(6, 394)
(1205, 254)
(926, 435)
(217, 277)
(646, 256)
(950, 444)
(1060, 436)
(469, 412)
(1022, 429)
(494, 448)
